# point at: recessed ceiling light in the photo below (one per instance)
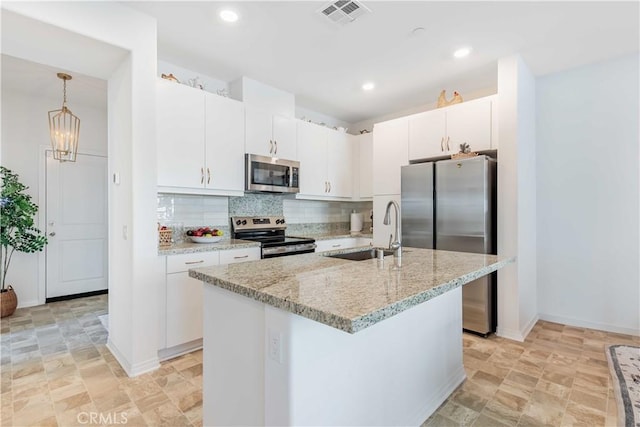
(462, 52)
(228, 16)
(368, 86)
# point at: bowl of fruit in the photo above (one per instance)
(205, 235)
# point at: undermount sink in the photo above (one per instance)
(360, 255)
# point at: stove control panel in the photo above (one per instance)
(257, 223)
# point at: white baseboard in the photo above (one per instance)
(515, 334)
(590, 325)
(179, 350)
(30, 303)
(137, 368)
(439, 397)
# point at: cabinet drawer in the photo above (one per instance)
(232, 256)
(183, 262)
(335, 244)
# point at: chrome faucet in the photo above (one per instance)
(394, 245)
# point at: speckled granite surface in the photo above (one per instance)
(350, 295)
(189, 248)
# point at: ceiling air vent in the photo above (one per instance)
(343, 11)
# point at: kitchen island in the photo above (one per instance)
(311, 339)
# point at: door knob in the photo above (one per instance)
(53, 233)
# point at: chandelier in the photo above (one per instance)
(64, 128)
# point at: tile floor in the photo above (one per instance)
(56, 370)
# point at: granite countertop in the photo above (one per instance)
(189, 247)
(350, 295)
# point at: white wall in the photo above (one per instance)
(587, 178)
(135, 270)
(25, 130)
(517, 308)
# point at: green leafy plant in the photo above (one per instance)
(17, 230)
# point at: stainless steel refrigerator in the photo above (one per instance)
(451, 205)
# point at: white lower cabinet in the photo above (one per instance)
(184, 297)
(182, 308)
(343, 243)
(233, 256)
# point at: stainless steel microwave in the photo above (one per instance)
(271, 174)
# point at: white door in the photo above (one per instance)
(427, 135)
(76, 212)
(284, 137)
(258, 132)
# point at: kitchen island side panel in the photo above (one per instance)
(232, 359)
(396, 372)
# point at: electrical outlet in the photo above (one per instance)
(275, 346)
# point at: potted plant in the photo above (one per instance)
(17, 232)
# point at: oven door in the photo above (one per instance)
(284, 250)
(271, 174)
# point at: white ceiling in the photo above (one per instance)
(40, 80)
(290, 46)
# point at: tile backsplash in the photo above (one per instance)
(196, 211)
(193, 210)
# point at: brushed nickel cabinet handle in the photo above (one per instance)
(276, 143)
(271, 147)
(448, 138)
(442, 144)
(241, 257)
(194, 262)
(201, 175)
(329, 186)
(208, 176)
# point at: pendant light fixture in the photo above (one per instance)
(64, 128)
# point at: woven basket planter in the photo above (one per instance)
(8, 302)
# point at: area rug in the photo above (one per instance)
(624, 363)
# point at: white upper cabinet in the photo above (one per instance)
(270, 135)
(340, 155)
(312, 153)
(224, 143)
(180, 135)
(440, 132)
(362, 166)
(427, 135)
(200, 141)
(470, 122)
(390, 152)
(325, 162)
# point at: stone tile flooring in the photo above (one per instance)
(56, 370)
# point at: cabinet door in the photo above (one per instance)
(427, 135)
(224, 143)
(366, 165)
(339, 158)
(284, 137)
(180, 135)
(469, 122)
(312, 151)
(390, 152)
(382, 232)
(258, 132)
(184, 309)
(233, 256)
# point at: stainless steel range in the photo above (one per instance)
(270, 232)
